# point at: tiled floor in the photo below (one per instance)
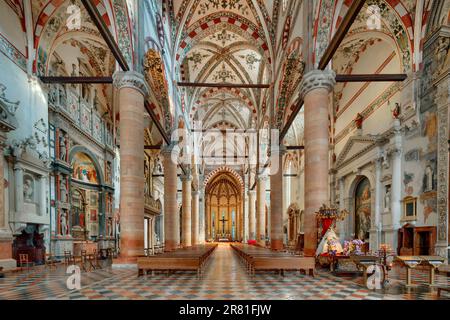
(224, 279)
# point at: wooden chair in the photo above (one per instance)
(50, 261)
(68, 258)
(24, 261)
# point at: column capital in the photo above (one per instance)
(280, 151)
(186, 177)
(251, 192)
(195, 193)
(131, 79)
(316, 79)
(170, 149)
(262, 177)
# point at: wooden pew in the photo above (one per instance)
(186, 259)
(257, 258)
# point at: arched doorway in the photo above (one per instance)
(224, 212)
(362, 210)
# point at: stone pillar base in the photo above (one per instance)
(276, 244)
(170, 245)
(6, 260)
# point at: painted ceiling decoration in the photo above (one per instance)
(224, 41)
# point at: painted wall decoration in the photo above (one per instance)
(84, 169)
(363, 210)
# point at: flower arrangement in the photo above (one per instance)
(353, 247)
(332, 246)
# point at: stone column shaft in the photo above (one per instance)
(251, 215)
(276, 202)
(316, 88)
(187, 213)
(171, 216)
(132, 92)
(195, 218)
(261, 210)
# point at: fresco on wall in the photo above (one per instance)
(84, 169)
(362, 210)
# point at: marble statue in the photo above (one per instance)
(28, 190)
(64, 225)
(63, 189)
(387, 198)
(428, 179)
(62, 148)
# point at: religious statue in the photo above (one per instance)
(9, 105)
(62, 148)
(442, 51)
(396, 111)
(359, 121)
(74, 74)
(28, 190)
(64, 225)
(63, 189)
(428, 179)
(62, 96)
(110, 227)
(387, 198)
(96, 102)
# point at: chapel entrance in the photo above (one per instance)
(224, 207)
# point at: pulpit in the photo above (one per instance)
(414, 240)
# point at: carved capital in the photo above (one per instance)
(316, 79)
(251, 193)
(131, 79)
(186, 177)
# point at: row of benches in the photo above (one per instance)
(186, 259)
(258, 258)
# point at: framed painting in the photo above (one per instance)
(409, 208)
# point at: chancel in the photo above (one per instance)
(206, 149)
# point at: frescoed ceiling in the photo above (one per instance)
(224, 41)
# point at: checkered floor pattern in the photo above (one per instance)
(224, 279)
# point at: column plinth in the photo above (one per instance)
(315, 89)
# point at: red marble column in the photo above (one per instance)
(261, 210)
(276, 202)
(171, 215)
(316, 88)
(195, 218)
(187, 213)
(132, 92)
(251, 215)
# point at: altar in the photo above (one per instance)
(88, 246)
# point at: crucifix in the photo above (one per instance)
(223, 220)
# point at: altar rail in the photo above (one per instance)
(258, 258)
(186, 259)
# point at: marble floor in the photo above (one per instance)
(225, 279)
